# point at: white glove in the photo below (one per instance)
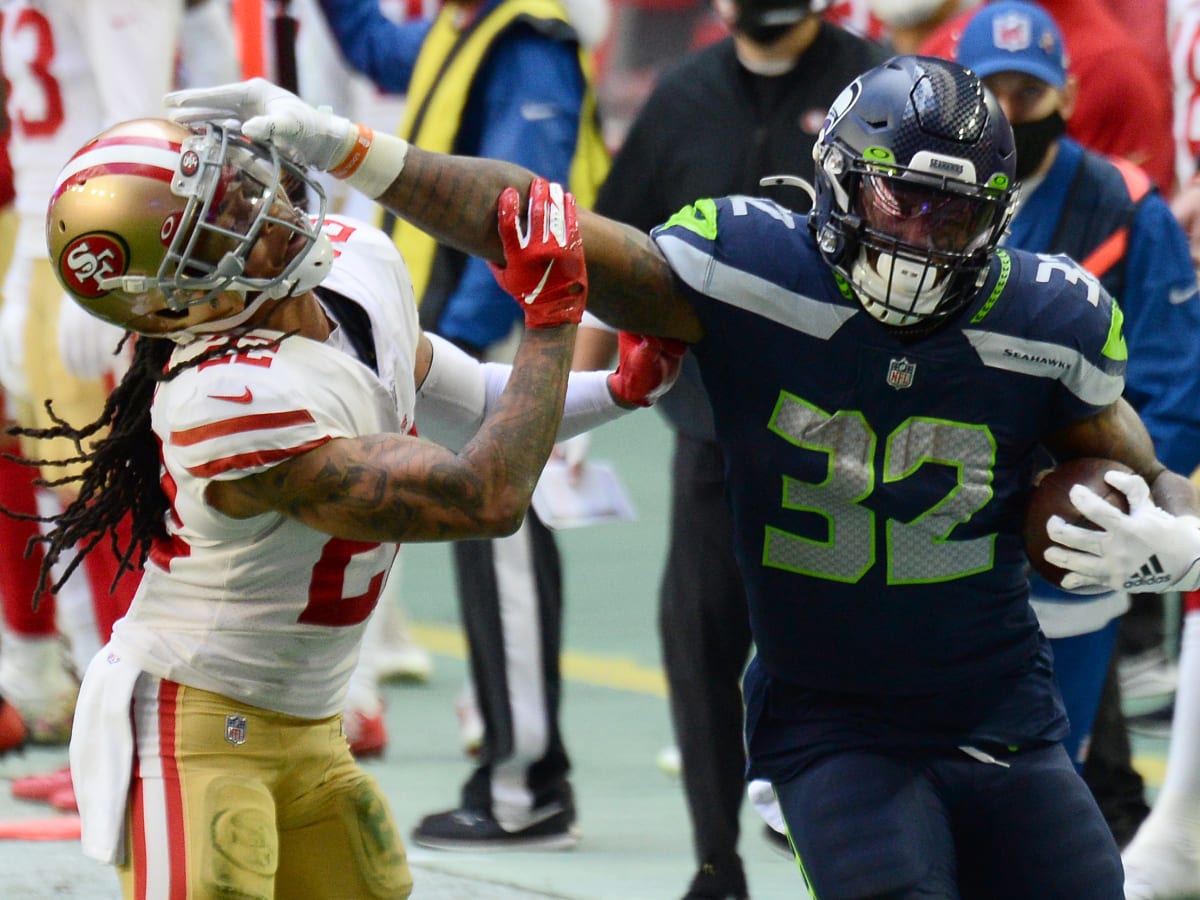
(1147, 550)
(268, 113)
(12, 345)
(306, 135)
(87, 345)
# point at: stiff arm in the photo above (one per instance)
(630, 285)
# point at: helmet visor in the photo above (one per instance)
(926, 218)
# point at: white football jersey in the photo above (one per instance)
(266, 609)
(75, 67)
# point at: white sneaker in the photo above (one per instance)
(35, 681)
(396, 655)
(470, 722)
(669, 761)
(403, 660)
(1162, 862)
(1147, 675)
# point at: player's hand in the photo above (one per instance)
(647, 367)
(1147, 550)
(87, 345)
(543, 267)
(572, 453)
(268, 113)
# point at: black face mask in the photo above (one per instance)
(1033, 140)
(764, 34)
(766, 21)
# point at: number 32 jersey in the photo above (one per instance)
(878, 483)
(266, 609)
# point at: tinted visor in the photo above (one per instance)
(925, 217)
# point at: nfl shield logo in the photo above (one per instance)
(1012, 32)
(900, 373)
(235, 729)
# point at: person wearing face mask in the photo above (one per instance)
(1125, 110)
(909, 22)
(718, 121)
(1106, 214)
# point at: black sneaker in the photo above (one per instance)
(713, 883)
(474, 829)
(778, 841)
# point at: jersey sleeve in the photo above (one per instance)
(750, 234)
(249, 411)
(1078, 329)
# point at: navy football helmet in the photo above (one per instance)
(914, 181)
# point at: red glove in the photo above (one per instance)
(646, 368)
(544, 267)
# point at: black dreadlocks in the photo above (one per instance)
(121, 474)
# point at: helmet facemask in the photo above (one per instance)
(922, 241)
(233, 186)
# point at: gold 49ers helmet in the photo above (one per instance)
(150, 218)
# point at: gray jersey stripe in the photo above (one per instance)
(816, 318)
(1081, 377)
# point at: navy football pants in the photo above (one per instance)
(873, 825)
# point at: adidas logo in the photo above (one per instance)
(1149, 575)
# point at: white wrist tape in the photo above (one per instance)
(372, 162)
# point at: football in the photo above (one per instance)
(1051, 496)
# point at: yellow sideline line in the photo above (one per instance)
(615, 672)
(622, 674)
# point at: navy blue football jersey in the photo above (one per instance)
(878, 483)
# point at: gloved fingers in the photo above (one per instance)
(508, 222)
(1132, 485)
(1088, 540)
(1096, 508)
(241, 99)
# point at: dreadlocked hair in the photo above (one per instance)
(121, 474)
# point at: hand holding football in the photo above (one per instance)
(1051, 497)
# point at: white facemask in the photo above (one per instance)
(913, 288)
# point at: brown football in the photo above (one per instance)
(1051, 496)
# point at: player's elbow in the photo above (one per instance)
(504, 516)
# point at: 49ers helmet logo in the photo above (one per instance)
(90, 258)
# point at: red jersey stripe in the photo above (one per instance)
(241, 424)
(255, 459)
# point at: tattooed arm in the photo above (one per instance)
(453, 198)
(393, 487)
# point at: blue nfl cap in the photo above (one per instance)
(1014, 36)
